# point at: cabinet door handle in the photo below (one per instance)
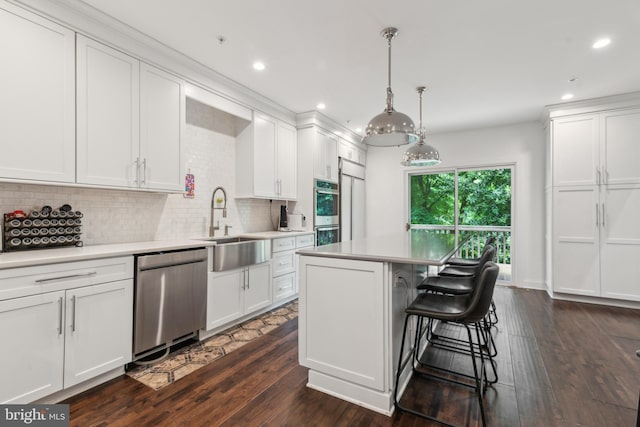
(72, 276)
(248, 280)
(597, 216)
(137, 163)
(244, 279)
(603, 214)
(73, 313)
(60, 316)
(143, 180)
(597, 175)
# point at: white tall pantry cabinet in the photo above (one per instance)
(595, 226)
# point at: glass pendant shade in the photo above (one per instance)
(390, 128)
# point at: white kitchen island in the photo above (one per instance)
(351, 311)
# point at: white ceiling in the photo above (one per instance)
(485, 62)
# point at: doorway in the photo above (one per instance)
(472, 203)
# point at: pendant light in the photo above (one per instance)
(390, 128)
(421, 154)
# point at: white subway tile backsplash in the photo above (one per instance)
(113, 216)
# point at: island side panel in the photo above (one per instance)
(342, 319)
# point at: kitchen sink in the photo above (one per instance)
(236, 252)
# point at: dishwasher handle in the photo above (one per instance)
(170, 259)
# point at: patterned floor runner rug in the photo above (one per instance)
(194, 356)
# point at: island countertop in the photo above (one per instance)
(412, 247)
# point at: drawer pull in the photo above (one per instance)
(72, 276)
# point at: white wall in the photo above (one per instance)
(522, 145)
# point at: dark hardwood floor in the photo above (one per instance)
(560, 364)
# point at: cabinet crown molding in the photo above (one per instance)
(315, 118)
(626, 100)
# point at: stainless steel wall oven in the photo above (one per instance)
(326, 212)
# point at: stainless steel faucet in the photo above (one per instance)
(213, 229)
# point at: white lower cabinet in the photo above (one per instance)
(596, 241)
(32, 333)
(284, 267)
(231, 294)
(98, 330)
(64, 338)
(257, 290)
(284, 286)
(285, 264)
(63, 324)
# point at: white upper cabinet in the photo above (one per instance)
(130, 118)
(349, 152)
(37, 87)
(575, 150)
(325, 156)
(596, 149)
(266, 159)
(108, 115)
(620, 147)
(162, 114)
(286, 161)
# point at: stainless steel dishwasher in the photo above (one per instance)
(170, 299)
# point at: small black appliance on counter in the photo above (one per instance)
(284, 224)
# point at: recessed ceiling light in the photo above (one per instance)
(600, 43)
(359, 130)
(321, 106)
(259, 66)
(567, 96)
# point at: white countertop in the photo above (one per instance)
(414, 247)
(275, 234)
(69, 254)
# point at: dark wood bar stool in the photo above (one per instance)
(467, 310)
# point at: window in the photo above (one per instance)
(472, 203)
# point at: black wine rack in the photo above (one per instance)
(41, 230)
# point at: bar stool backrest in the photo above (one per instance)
(480, 299)
(491, 240)
(487, 255)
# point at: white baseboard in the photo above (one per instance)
(595, 300)
(79, 388)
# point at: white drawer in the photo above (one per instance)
(283, 262)
(284, 286)
(283, 244)
(18, 282)
(306, 240)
